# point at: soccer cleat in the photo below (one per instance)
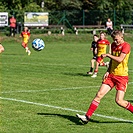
(29, 52)
(89, 73)
(94, 75)
(83, 118)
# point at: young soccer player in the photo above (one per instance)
(94, 50)
(116, 76)
(102, 44)
(26, 36)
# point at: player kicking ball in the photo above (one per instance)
(26, 36)
(116, 76)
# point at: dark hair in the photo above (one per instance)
(95, 35)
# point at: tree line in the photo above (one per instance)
(54, 5)
(18, 7)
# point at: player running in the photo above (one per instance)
(94, 50)
(102, 44)
(116, 76)
(26, 36)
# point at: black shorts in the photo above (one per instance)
(94, 57)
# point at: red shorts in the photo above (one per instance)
(99, 59)
(120, 82)
(24, 44)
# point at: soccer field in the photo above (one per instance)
(42, 93)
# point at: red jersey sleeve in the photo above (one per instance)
(28, 33)
(126, 48)
(107, 42)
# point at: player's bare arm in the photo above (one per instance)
(116, 58)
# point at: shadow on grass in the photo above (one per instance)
(71, 118)
(75, 120)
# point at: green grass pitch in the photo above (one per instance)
(42, 93)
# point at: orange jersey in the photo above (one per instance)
(120, 69)
(101, 46)
(25, 36)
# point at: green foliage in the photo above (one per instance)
(53, 5)
(2, 7)
(32, 7)
(71, 4)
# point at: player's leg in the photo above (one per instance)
(14, 30)
(1, 48)
(102, 63)
(93, 63)
(97, 65)
(24, 45)
(10, 31)
(104, 89)
(27, 49)
(121, 86)
(98, 61)
(92, 67)
(96, 70)
(29, 52)
(121, 102)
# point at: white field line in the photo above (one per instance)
(56, 89)
(67, 109)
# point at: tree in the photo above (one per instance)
(3, 8)
(71, 5)
(32, 7)
(87, 4)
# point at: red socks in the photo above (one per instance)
(129, 107)
(94, 105)
(92, 108)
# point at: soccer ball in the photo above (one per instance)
(38, 44)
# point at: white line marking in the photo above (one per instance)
(58, 89)
(67, 109)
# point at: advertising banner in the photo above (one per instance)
(3, 19)
(36, 19)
